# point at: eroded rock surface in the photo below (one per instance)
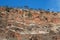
(26, 21)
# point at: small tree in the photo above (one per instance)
(26, 7)
(29, 15)
(8, 8)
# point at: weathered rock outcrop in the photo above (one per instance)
(26, 21)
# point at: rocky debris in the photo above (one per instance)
(40, 37)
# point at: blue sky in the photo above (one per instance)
(53, 5)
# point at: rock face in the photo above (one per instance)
(26, 21)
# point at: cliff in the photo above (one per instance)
(27, 21)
